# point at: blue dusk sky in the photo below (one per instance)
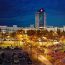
(22, 12)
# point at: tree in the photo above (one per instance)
(31, 32)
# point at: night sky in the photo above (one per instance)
(22, 12)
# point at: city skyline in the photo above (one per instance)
(22, 12)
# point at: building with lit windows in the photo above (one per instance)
(40, 19)
(5, 29)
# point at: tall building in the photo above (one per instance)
(37, 20)
(40, 19)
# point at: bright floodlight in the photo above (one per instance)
(41, 10)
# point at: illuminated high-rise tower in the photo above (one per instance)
(40, 18)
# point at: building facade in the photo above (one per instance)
(40, 19)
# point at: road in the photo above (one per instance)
(35, 54)
(39, 56)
